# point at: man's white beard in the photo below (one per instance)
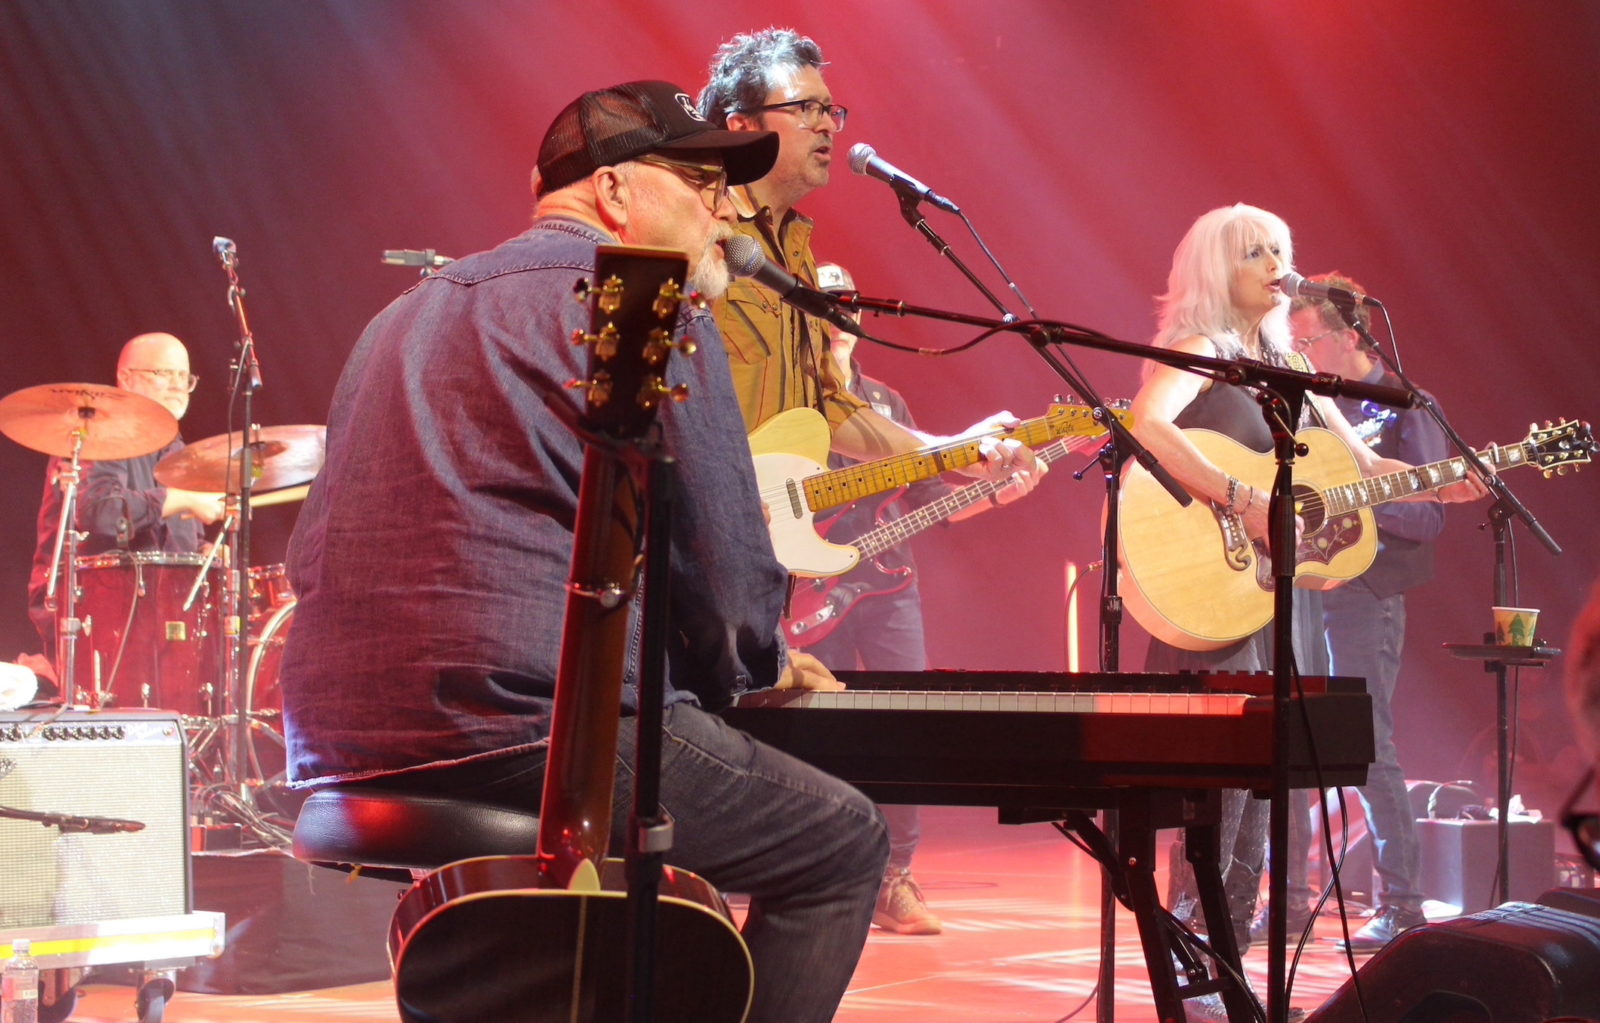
(709, 276)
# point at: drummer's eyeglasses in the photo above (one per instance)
(710, 179)
(811, 112)
(1584, 825)
(172, 377)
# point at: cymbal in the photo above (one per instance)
(281, 456)
(115, 423)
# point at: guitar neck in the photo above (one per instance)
(897, 531)
(831, 489)
(1371, 491)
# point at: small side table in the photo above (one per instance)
(1496, 659)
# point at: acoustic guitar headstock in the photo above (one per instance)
(634, 299)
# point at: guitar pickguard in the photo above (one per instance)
(1333, 539)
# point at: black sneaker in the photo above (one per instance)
(1387, 925)
(1299, 916)
(1211, 1009)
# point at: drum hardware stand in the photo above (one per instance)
(67, 537)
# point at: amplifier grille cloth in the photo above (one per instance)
(51, 878)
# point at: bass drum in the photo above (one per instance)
(141, 646)
(265, 750)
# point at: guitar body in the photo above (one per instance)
(818, 606)
(483, 941)
(1194, 580)
(788, 448)
(791, 454)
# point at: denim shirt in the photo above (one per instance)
(432, 556)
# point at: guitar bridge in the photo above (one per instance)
(1236, 548)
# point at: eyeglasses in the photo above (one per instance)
(710, 179)
(172, 377)
(1584, 825)
(1307, 342)
(812, 111)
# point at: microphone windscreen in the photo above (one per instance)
(744, 255)
(860, 153)
(1290, 283)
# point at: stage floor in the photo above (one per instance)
(1020, 945)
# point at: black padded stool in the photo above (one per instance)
(395, 834)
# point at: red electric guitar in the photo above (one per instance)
(818, 605)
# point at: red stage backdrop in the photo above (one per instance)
(1443, 153)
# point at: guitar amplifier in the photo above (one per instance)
(103, 769)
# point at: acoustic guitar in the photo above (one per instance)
(791, 455)
(1194, 580)
(544, 939)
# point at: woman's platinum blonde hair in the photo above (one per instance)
(1199, 286)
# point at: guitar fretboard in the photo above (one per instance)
(831, 489)
(1374, 490)
(897, 531)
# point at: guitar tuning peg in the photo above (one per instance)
(656, 388)
(580, 290)
(698, 300)
(667, 300)
(610, 295)
(661, 344)
(605, 342)
(598, 390)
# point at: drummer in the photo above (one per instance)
(120, 504)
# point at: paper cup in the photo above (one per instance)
(1513, 626)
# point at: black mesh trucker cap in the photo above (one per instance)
(611, 126)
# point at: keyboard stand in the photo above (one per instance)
(1130, 870)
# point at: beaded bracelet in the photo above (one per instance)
(1233, 491)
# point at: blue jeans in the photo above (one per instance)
(883, 634)
(1366, 635)
(807, 848)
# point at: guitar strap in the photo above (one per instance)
(1298, 362)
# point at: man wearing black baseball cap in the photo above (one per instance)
(432, 556)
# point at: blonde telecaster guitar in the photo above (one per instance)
(1193, 579)
(791, 455)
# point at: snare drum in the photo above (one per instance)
(139, 642)
(269, 590)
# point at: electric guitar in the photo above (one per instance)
(1194, 580)
(817, 606)
(791, 455)
(545, 939)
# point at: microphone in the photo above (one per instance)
(225, 251)
(415, 257)
(865, 160)
(745, 260)
(96, 825)
(1296, 286)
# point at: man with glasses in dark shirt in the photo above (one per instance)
(120, 504)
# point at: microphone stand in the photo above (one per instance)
(246, 371)
(1501, 511)
(1282, 394)
(911, 210)
(1112, 457)
(650, 834)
